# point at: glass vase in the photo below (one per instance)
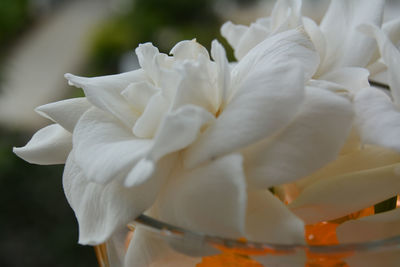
(177, 247)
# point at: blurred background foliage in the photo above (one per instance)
(14, 16)
(37, 226)
(162, 22)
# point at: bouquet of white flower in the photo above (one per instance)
(292, 134)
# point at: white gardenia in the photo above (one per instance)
(145, 140)
(197, 142)
(369, 162)
(344, 51)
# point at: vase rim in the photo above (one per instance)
(175, 232)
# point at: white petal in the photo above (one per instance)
(146, 54)
(287, 46)
(194, 199)
(316, 35)
(312, 140)
(105, 93)
(168, 75)
(149, 249)
(254, 35)
(189, 50)
(233, 33)
(196, 86)
(104, 148)
(223, 73)
(266, 104)
(269, 220)
(377, 118)
(285, 15)
(369, 157)
(268, 95)
(138, 94)
(158, 67)
(66, 112)
(347, 47)
(49, 145)
(391, 57)
(351, 78)
(102, 209)
(147, 124)
(376, 227)
(332, 198)
(392, 29)
(178, 130)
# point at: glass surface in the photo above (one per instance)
(186, 248)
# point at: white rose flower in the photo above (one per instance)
(166, 138)
(372, 171)
(348, 58)
(344, 51)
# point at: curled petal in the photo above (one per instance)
(332, 198)
(138, 94)
(147, 124)
(377, 118)
(392, 29)
(391, 57)
(254, 35)
(189, 50)
(194, 199)
(104, 148)
(285, 15)
(269, 220)
(103, 209)
(224, 74)
(312, 140)
(233, 33)
(49, 145)
(268, 91)
(105, 93)
(146, 54)
(66, 112)
(316, 35)
(343, 17)
(177, 130)
(196, 86)
(267, 103)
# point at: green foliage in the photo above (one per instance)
(162, 22)
(389, 204)
(37, 226)
(13, 17)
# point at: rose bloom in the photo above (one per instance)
(368, 163)
(198, 142)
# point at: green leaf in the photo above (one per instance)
(389, 204)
